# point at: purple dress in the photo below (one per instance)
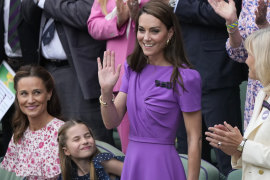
(155, 111)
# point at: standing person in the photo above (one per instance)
(33, 149)
(251, 151)
(255, 15)
(18, 46)
(158, 90)
(204, 36)
(79, 156)
(69, 53)
(114, 21)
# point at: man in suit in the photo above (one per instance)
(69, 53)
(26, 53)
(204, 35)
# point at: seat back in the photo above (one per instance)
(207, 170)
(105, 147)
(235, 175)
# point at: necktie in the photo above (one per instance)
(48, 34)
(13, 37)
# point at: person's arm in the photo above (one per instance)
(72, 13)
(101, 28)
(113, 166)
(262, 155)
(199, 12)
(112, 112)
(30, 12)
(229, 13)
(193, 123)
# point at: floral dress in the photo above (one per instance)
(246, 26)
(36, 155)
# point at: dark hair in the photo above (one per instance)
(65, 161)
(20, 121)
(174, 51)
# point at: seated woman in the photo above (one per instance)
(79, 157)
(33, 149)
(251, 151)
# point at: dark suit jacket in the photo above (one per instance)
(28, 36)
(204, 35)
(81, 49)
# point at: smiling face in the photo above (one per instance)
(152, 36)
(32, 97)
(79, 144)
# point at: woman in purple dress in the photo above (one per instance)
(159, 89)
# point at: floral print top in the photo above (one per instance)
(36, 155)
(246, 26)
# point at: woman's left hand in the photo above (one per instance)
(133, 6)
(226, 138)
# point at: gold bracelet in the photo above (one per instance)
(105, 103)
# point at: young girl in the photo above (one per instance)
(79, 156)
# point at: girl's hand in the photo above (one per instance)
(133, 6)
(225, 10)
(261, 13)
(227, 139)
(122, 12)
(107, 75)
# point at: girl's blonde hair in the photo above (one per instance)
(103, 5)
(65, 161)
(258, 45)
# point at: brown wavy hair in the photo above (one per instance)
(20, 121)
(174, 51)
(65, 161)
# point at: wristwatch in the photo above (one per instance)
(241, 145)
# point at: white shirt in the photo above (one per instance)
(53, 50)
(7, 47)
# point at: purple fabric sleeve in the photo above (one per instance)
(190, 99)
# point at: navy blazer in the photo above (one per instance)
(204, 35)
(81, 49)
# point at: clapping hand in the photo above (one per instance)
(261, 13)
(225, 10)
(107, 75)
(133, 6)
(122, 12)
(224, 137)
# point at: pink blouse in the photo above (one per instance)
(36, 154)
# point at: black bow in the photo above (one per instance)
(167, 85)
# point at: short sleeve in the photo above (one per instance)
(189, 99)
(125, 78)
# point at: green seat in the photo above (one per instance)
(105, 147)
(207, 171)
(6, 175)
(235, 175)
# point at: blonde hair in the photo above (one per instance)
(258, 45)
(103, 5)
(65, 161)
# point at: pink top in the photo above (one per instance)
(36, 155)
(117, 39)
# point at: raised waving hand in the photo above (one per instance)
(107, 74)
(227, 10)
